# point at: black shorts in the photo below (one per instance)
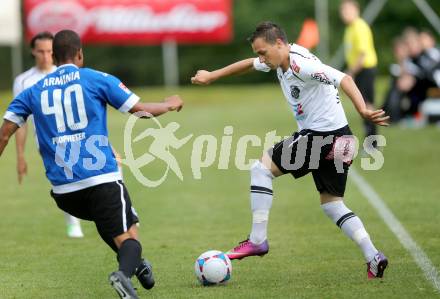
(365, 82)
(108, 205)
(327, 155)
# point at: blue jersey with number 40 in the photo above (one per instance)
(69, 109)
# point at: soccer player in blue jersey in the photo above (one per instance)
(69, 109)
(41, 45)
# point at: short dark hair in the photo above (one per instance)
(45, 35)
(66, 45)
(269, 31)
(353, 2)
(409, 31)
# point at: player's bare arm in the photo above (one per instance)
(172, 103)
(376, 116)
(6, 131)
(203, 77)
(20, 141)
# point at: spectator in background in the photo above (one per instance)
(428, 43)
(415, 71)
(421, 66)
(432, 54)
(360, 55)
(393, 104)
(41, 49)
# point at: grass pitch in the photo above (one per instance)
(309, 257)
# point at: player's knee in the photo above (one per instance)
(326, 197)
(120, 239)
(258, 169)
(133, 231)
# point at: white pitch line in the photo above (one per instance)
(420, 257)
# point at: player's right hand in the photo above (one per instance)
(174, 103)
(21, 169)
(202, 77)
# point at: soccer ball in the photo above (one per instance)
(213, 267)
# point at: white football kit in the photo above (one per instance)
(29, 78)
(310, 88)
(26, 80)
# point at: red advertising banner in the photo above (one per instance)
(133, 21)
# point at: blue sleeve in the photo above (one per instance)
(115, 92)
(19, 109)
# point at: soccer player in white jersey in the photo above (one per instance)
(323, 145)
(41, 49)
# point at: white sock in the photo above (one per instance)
(351, 225)
(71, 220)
(261, 201)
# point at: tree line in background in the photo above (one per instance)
(142, 66)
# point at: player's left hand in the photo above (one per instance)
(376, 116)
(202, 77)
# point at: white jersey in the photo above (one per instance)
(29, 78)
(311, 89)
(26, 80)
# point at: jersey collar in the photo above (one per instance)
(68, 64)
(289, 70)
